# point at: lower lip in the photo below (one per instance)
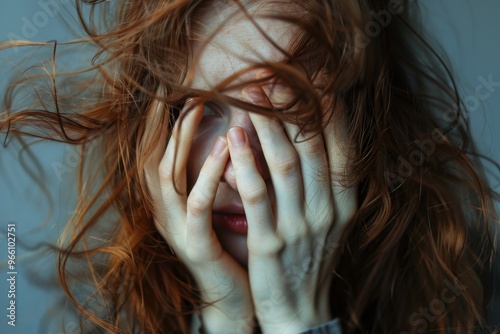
(234, 223)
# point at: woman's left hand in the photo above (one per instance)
(291, 246)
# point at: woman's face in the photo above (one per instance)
(232, 49)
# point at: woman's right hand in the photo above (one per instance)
(185, 221)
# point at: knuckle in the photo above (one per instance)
(207, 180)
(266, 247)
(255, 194)
(269, 130)
(197, 203)
(281, 94)
(245, 160)
(164, 173)
(299, 233)
(314, 148)
(194, 255)
(199, 253)
(287, 165)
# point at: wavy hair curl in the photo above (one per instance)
(426, 217)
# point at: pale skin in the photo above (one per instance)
(281, 277)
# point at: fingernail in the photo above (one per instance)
(237, 136)
(219, 146)
(253, 94)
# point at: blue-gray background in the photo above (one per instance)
(467, 30)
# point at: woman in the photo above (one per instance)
(276, 167)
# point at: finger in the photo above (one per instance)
(283, 162)
(219, 277)
(344, 198)
(312, 157)
(154, 132)
(201, 241)
(183, 135)
(313, 162)
(173, 204)
(252, 188)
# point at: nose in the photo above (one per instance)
(242, 119)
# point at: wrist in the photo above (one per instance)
(293, 327)
(216, 321)
(299, 323)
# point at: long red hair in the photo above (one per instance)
(426, 217)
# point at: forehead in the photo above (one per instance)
(237, 41)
